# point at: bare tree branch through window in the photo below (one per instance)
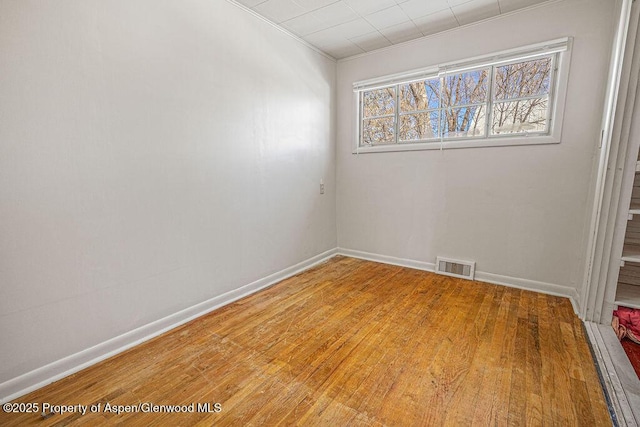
(490, 101)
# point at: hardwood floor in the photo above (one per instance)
(353, 342)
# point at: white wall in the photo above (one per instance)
(520, 212)
(153, 154)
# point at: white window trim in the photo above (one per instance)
(561, 46)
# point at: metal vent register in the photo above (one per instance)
(455, 268)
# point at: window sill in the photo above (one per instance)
(470, 143)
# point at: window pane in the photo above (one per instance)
(464, 122)
(424, 95)
(379, 102)
(520, 116)
(418, 126)
(530, 78)
(378, 131)
(465, 88)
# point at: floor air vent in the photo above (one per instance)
(455, 268)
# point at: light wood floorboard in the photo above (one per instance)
(353, 342)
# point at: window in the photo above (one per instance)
(505, 99)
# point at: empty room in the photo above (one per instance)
(319, 212)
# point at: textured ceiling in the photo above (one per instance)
(343, 28)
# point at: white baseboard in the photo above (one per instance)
(497, 279)
(531, 285)
(385, 259)
(54, 371)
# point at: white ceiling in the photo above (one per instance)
(343, 28)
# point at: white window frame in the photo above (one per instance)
(561, 48)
